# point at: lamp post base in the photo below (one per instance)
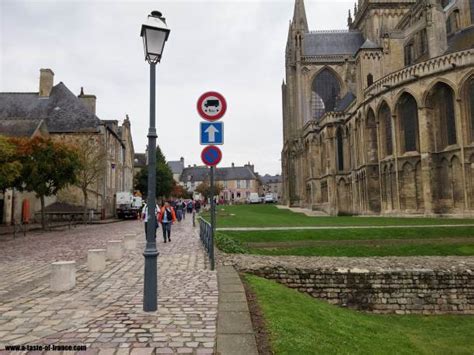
(150, 295)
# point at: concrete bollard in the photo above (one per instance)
(114, 249)
(63, 275)
(130, 241)
(96, 259)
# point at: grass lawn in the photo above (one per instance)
(375, 250)
(351, 234)
(300, 324)
(270, 216)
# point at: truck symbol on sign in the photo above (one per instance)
(213, 103)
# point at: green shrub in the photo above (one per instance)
(230, 245)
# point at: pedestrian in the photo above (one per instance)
(197, 206)
(183, 208)
(145, 217)
(167, 218)
(190, 206)
(179, 210)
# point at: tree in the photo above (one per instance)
(47, 167)
(179, 191)
(10, 167)
(92, 159)
(164, 177)
(204, 188)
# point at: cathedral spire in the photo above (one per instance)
(299, 16)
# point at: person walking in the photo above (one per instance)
(167, 218)
(145, 216)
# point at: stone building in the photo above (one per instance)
(271, 184)
(379, 118)
(177, 167)
(72, 119)
(237, 181)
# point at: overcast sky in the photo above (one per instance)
(233, 47)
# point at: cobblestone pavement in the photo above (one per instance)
(104, 310)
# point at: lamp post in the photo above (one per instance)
(154, 32)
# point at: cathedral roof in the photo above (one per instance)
(461, 41)
(345, 102)
(332, 42)
(62, 110)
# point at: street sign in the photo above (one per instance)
(211, 155)
(212, 133)
(211, 106)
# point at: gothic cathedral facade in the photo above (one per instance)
(379, 118)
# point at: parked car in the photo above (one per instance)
(253, 198)
(269, 198)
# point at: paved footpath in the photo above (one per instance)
(104, 310)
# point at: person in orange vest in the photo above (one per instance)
(167, 218)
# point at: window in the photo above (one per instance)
(408, 119)
(471, 5)
(370, 79)
(325, 93)
(340, 150)
(469, 99)
(441, 101)
(238, 184)
(247, 184)
(423, 38)
(409, 55)
(385, 117)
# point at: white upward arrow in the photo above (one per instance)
(211, 131)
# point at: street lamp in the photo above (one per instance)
(154, 32)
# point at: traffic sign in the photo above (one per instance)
(211, 106)
(212, 133)
(211, 155)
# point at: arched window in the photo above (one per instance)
(469, 100)
(371, 136)
(340, 150)
(441, 102)
(325, 93)
(370, 80)
(407, 111)
(385, 119)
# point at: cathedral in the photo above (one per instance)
(378, 119)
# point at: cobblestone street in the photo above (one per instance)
(104, 310)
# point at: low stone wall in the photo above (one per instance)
(414, 291)
(423, 285)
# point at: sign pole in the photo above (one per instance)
(213, 218)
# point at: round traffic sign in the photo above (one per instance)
(211, 155)
(211, 106)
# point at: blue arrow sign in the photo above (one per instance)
(212, 133)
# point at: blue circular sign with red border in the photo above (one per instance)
(211, 155)
(211, 106)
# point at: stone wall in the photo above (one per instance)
(391, 291)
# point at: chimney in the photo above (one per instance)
(233, 165)
(181, 160)
(46, 82)
(88, 100)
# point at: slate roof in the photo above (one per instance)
(461, 41)
(139, 160)
(332, 42)
(345, 102)
(13, 127)
(222, 174)
(269, 179)
(176, 166)
(62, 110)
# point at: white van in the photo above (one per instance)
(253, 198)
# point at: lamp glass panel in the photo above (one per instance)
(155, 41)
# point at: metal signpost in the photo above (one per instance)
(212, 106)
